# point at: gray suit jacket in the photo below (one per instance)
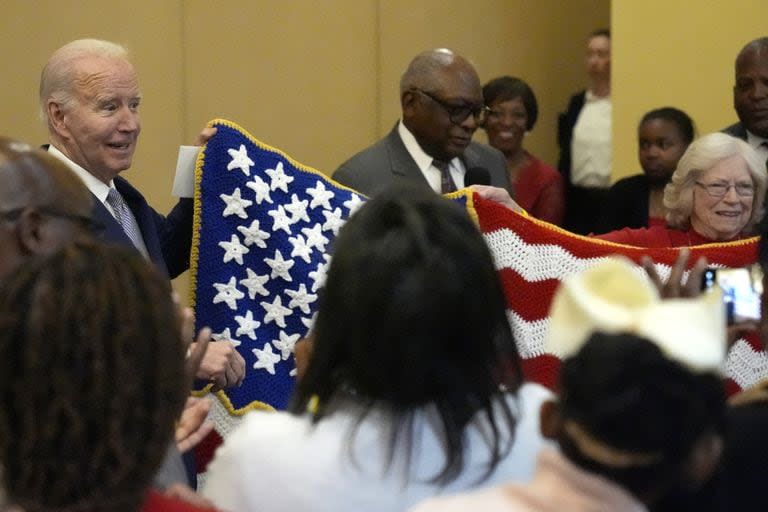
(388, 162)
(736, 130)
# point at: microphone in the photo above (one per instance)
(477, 176)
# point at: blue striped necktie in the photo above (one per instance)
(123, 217)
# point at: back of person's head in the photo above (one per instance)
(93, 379)
(59, 74)
(412, 314)
(43, 204)
(637, 417)
(675, 116)
(506, 88)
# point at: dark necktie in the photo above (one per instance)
(123, 216)
(446, 182)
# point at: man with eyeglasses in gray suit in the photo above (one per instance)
(431, 145)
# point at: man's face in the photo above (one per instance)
(425, 113)
(101, 129)
(750, 92)
(599, 57)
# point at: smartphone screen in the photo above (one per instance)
(742, 290)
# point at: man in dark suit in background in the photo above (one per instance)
(89, 98)
(442, 106)
(750, 96)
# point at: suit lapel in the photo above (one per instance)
(401, 162)
(144, 218)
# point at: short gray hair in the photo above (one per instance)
(703, 154)
(422, 71)
(58, 74)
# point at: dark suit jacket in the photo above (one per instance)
(168, 239)
(388, 162)
(737, 130)
(565, 123)
(626, 205)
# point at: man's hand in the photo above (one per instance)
(222, 365)
(498, 195)
(302, 351)
(205, 135)
(192, 426)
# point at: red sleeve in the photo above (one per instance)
(656, 236)
(156, 502)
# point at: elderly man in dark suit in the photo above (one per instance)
(750, 96)
(89, 98)
(442, 106)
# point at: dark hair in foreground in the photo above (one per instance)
(629, 397)
(92, 381)
(675, 116)
(412, 315)
(505, 88)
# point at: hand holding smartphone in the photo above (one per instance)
(742, 291)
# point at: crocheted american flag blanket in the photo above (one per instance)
(264, 231)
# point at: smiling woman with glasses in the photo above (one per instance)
(716, 195)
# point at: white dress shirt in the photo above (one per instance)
(424, 161)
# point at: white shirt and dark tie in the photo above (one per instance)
(111, 199)
(442, 176)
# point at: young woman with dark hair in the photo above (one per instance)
(413, 387)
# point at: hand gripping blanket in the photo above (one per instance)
(264, 230)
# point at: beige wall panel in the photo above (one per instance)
(679, 54)
(541, 41)
(299, 75)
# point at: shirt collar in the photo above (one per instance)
(754, 140)
(95, 185)
(422, 159)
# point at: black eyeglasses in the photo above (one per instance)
(458, 113)
(83, 221)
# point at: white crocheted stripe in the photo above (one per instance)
(538, 262)
(745, 365)
(529, 336)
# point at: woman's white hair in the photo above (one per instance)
(703, 154)
(57, 78)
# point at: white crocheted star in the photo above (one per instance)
(333, 221)
(228, 293)
(253, 235)
(282, 221)
(280, 180)
(261, 189)
(319, 274)
(224, 336)
(354, 203)
(315, 237)
(276, 312)
(247, 325)
(301, 298)
(266, 359)
(286, 344)
(300, 248)
(234, 250)
(236, 205)
(255, 284)
(240, 160)
(309, 322)
(298, 209)
(280, 267)
(320, 196)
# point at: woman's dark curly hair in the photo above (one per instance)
(93, 379)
